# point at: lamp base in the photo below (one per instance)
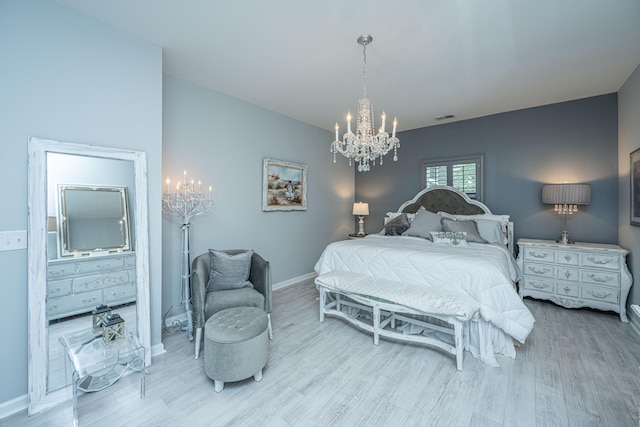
(564, 238)
(361, 226)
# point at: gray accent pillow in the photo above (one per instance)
(397, 225)
(423, 224)
(490, 230)
(229, 271)
(469, 227)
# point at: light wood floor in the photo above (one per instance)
(577, 368)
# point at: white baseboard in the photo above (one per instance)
(295, 281)
(13, 406)
(157, 350)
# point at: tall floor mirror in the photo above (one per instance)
(88, 245)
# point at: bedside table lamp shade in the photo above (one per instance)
(361, 210)
(566, 198)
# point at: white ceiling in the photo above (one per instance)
(428, 58)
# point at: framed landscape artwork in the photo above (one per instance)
(284, 186)
(635, 188)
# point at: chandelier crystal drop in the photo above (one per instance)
(365, 145)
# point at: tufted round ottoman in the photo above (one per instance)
(235, 345)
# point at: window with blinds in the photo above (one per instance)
(462, 173)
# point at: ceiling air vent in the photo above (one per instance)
(447, 117)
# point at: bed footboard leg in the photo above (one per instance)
(457, 327)
(323, 298)
(376, 324)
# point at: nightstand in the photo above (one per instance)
(357, 236)
(577, 275)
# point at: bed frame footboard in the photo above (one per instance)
(386, 315)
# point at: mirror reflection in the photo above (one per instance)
(90, 260)
(92, 219)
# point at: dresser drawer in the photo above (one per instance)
(568, 258)
(610, 262)
(542, 270)
(539, 254)
(119, 294)
(74, 303)
(59, 288)
(100, 264)
(100, 281)
(55, 271)
(600, 294)
(601, 278)
(568, 289)
(566, 273)
(539, 285)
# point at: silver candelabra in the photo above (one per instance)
(188, 201)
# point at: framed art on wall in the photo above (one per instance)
(635, 187)
(284, 186)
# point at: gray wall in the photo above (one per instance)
(629, 122)
(222, 142)
(573, 141)
(67, 77)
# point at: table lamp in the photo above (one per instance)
(361, 209)
(566, 198)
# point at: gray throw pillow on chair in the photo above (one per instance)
(229, 271)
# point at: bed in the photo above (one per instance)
(451, 287)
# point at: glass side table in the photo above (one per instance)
(97, 365)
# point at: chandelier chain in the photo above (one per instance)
(364, 70)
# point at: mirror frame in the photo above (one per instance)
(39, 399)
(64, 227)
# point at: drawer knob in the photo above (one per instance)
(601, 295)
(567, 289)
(604, 261)
(539, 255)
(539, 270)
(600, 279)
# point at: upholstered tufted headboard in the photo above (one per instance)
(450, 200)
(444, 199)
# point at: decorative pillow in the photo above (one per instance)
(453, 238)
(229, 271)
(491, 231)
(391, 215)
(503, 220)
(423, 224)
(397, 225)
(466, 226)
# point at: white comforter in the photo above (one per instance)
(484, 272)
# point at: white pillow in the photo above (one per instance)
(451, 238)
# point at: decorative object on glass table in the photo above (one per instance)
(99, 314)
(113, 329)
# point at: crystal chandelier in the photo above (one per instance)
(365, 146)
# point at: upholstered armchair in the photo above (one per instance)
(207, 300)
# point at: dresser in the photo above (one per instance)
(577, 275)
(78, 285)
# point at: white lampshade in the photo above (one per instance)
(570, 194)
(361, 209)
